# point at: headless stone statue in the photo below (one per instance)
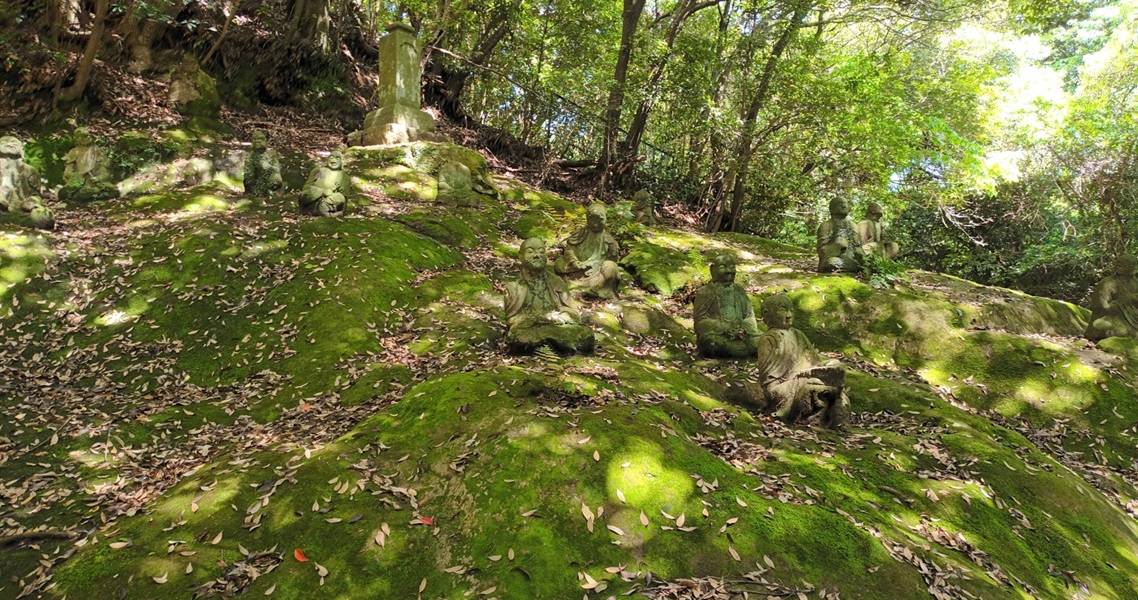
(725, 325)
(19, 182)
(588, 257)
(874, 238)
(86, 171)
(644, 208)
(539, 309)
(796, 384)
(838, 244)
(1114, 303)
(325, 192)
(262, 168)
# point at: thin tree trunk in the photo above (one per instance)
(680, 15)
(629, 21)
(229, 8)
(735, 181)
(87, 61)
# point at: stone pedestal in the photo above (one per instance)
(399, 118)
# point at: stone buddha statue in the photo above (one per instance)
(325, 192)
(1114, 303)
(19, 182)
(644, 207)
(262, 168)
(874, 238)
(838, 244)
(796, 384)
(86, 171)
(725, 325)
(588, 257)
(539, 309)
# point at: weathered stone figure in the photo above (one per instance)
(19, 182)
(838, 245)
(326, 191)
(725, 325)
(86, 171)
(539, 309)
(41, 216)
(192, 91)
(797, 384)
(262, 168)
(644, 207)
(1114, 303)
(588, 257)
(874, 238)
(399, 118)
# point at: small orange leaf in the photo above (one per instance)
(428, 521)
(298, 554)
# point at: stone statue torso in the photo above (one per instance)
(1116, 296)
(537, 295)
(783, 353)
(85, 164)
(591, 249)
(724, 303)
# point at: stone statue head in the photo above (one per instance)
(778, 312)
(595, 217)
(336, 160)
(643, 198)
(259, 140)
(82, 137)
(873, 211)
(188, 65)
(839, 208)
(532, 255)
(11, 147)
(1126, 265)
(723, 268)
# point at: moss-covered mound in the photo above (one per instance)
(216, 395)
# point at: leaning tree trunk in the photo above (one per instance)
(735, 182)
(87, 61)
(311, 23)
(630, 20)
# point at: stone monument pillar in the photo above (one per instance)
(399, 117)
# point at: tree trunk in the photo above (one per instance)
(728, 215)
(311, 23)
(87, 61)
(229, 9)
(629, 21)
(680, 15)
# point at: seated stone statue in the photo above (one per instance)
(19, 182)
(539, 309)
(1114, 303)
(86, 171)
(262, 168)
(588, 257)
(874, 238)
(838, 245)
(644, 208)
(325, 193)
(192, 91)
(725, 324)
(796, 384)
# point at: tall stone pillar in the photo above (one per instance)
(399, 117)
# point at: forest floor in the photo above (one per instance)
(210, 394)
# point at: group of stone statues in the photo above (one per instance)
(842, 246)
(1114, 302)
(795, 383)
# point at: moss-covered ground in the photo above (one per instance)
(190, 376)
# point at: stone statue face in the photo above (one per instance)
(82, 137)
(1126, 266)
(336, 161)
(11, 147)
(595, 219)
(532, 255)
(874, 212)
(259, 141)
(723, 270)
(839, 208)
(778, 313)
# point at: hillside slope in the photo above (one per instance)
(195, 381)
